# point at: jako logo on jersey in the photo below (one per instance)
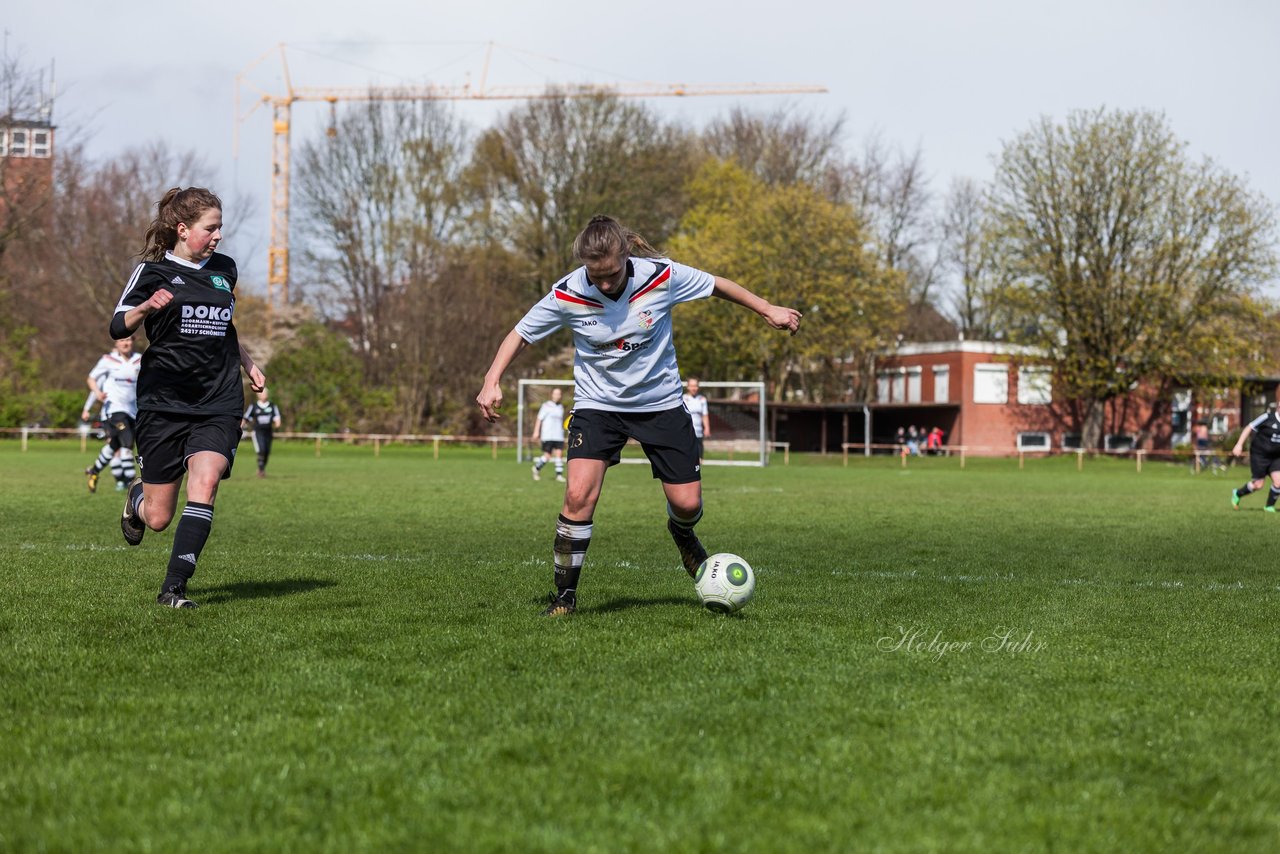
(221, 283)
(201, 312)
(582, 323)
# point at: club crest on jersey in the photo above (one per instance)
(220, 283)
(646, 319)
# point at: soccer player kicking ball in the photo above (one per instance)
(626, 382)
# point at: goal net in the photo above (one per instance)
(739, 435)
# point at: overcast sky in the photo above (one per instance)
(955, 78)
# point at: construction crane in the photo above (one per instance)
(282, 106)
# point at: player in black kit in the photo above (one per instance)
(263, 417)
(1264, 457)
(189, 392)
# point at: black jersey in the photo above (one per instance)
(262, 416)
(192, 365)
(1266, 433)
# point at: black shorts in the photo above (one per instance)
(548, 447)
(119, 430)
(167, 439)
(666, 437)
(1263, 461)
(698, 444)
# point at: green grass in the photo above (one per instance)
(368, 671)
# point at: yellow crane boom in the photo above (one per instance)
(281, 108)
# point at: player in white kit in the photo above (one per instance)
(626, 382)
(548, 428)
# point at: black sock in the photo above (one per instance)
(103, 460)
(1246, 489)
(1272, 495)
(188, 541)
(572, 540)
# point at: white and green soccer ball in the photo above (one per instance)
(725, 583)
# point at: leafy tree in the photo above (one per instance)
(319, 383)
(1127, 258)
(792, 247)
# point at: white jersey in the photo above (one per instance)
(697, 406)
(551, 422)
(624, 360)
(117, 376)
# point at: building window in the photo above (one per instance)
(1071, 442)
(882, 387)
(1220, 423)
(17, 143)
(941, 384)
(913, 384)
(1118, 442)
(1034, 441)
(1035, 386)
(898, 387)
(4, 142)
(40, 143)
(991, 383)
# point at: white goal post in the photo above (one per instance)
(739, 429)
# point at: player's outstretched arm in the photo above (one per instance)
(779, 317)
(490, 396)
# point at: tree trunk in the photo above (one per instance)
(1091, 437)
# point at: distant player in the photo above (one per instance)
(699, 413)
(1264, 457)
(263, 417)
(548, 428)
(113, 382)
(626, 383)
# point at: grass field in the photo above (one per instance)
(936, 659)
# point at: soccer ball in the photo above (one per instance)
(725, 583)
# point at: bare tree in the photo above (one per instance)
(783, 148)
(967, 253)
(381, 206)
(549, 165)
(892, 192)
(72, 287)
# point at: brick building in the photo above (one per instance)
(996, 399)
(26, 167)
